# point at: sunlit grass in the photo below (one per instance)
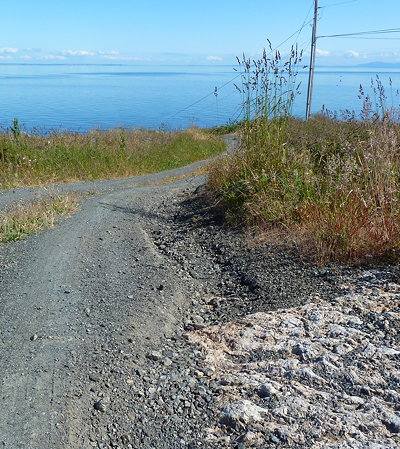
(28, 159)
(25, 219)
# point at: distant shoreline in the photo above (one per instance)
(369, 65)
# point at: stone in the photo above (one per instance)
(155, 355)
(94, 377)
(243, 412)
(198, 322)
(126, 438)
(393, 424)
(100, 406)
(266, 390)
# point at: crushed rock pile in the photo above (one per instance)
(322, 375)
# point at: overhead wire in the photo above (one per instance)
(304, 22)
(356, 35)
(337, 4)
(218, 88)
(362, 33)
(369, 38)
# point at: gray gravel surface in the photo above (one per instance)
(97, 317)
(9, 197)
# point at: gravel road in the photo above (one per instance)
(8, 197)
(110, 325)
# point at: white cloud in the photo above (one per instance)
(389, 54)
(354, 54)
(8, 50)
(6, 57)
(214, 58)
(26, 57)
(77, 53)
(320, 52)
(33, 50)
(57, 57)
(108, 52)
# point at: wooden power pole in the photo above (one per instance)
(312, 60)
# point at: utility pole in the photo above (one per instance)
(312, 60)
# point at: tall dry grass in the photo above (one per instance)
(25, 219)
(331, 185)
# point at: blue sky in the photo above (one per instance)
(185, 32)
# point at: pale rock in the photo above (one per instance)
(343, 348)
(243, 411)
(266, 390)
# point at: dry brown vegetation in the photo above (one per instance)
(26, 219)
(331, 185)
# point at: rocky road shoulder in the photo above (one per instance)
(169, 331)
(264, 349)
(302, 356)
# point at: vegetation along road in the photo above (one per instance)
(141, 321)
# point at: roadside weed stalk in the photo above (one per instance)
(330, 184)
(268, 90)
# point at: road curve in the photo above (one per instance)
(45, 297)
(9, 197)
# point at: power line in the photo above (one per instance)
(361, 33)
(355, 35)
(370, 38)
(304, 22)
(238, 75)
(203, 98)
(337, 4)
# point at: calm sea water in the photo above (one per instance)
(81, 97)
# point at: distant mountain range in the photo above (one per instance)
(381, 65)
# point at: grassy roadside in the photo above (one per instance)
(28, 159)
(30, 218)
(330, 185)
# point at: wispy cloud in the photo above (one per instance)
(320, 52)
(355, 54)
(77, 53)
(214, 58)
(388, 54)
(33, 50)
(53, 57)
(108, 52)
(6, 57)
(9, 50)
(125, 58)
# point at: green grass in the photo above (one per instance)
(67, 157)
(30, 218)
(229, 128)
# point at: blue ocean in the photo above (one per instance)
(83, 97)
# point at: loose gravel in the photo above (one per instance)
(183, 335)
(259, 352)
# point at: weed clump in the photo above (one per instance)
(25, 219)
(330, 185)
